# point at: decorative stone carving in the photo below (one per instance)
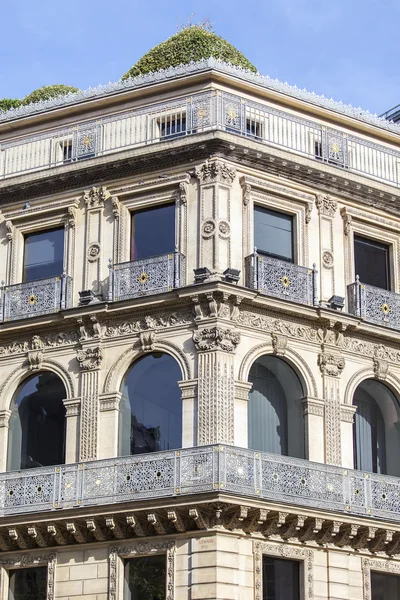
(115, 207)
(71, 217)
(148, 340)
(246, 191)
(326, 205)
(9, 230)
(381, 368)
(279, 343)
(72, 407)
(89, 359)
(224, 228)
(331, 364)
(158, 321)
(95, 197)
(35, 360)
(347, 413)
(208, 228)
(93, 252)
(183, 191)
(142, 549)
(313, 406)
(327, 259)
(215, 171)
(371, 564)
(216, 338)
(308, 214)
(32, 559)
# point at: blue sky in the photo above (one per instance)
(346, 49)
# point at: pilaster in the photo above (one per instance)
(109, 407)
(4, 424)
(242, 391)
(73, 409)
(189, 412)
(89, 360)
(216, 347)
(94, 200)
(314, 416)
(332, 364)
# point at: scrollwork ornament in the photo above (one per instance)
(216, 338)
(89, 359)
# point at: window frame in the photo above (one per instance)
(135, 210)
(293, 228)
(357, 237)
(388, 566)
(304, 556)
(28, 234)
(26, 561)
(118, 555)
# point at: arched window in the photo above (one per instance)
(37, 423)
(151, 406)
(376, 431)
(275, 417)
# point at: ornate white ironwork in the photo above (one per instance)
(195, 114)
(34, 298)
(374, 304)
(279, 278)
(143, 277)
(201, 470)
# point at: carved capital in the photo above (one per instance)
(313, 406)
(331, 364)
(4, 417)
(326, 205)
(89, 359)
(95, 197)
(347, 413)
(215, 172)
(381, 368)
(216, 338)
(242, 390)
(72, 407)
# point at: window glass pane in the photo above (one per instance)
(145, 578)
(372, 262)
(28, 584)
(385, 586)
(273, 233)
(151, 406)
(281, 579)
(153, 232)
(37, 423)
(43, 254)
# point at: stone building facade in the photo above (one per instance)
(294, 482)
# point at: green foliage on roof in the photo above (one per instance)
(193, 43)
(48, 91)
(7, 103)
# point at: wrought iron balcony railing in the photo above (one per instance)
(279, 278)
(34, 298)
(194, 114)
(199, 470)
(146, 276)
(374, 304)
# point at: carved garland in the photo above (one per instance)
(32, 560)
(284, 551)
(142, 549)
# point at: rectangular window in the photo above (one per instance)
(153, 232)
(281, 579)
(385, 586)
(273, 233)
(43, 254)
(145, 578)
(372, 262)
(28, 584)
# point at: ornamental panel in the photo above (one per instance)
(373, 304)
(34, 298)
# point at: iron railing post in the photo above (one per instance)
(176, 269)
(63, 291)
(110, 280)
(2, 294)
(315, 284)
(357, 294)
(255, 269)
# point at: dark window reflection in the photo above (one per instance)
(28, 584)
(145, 578)
(281, 579)
(385, 586)
(153, 232)
(37, 423)
(273, 233)
(43, 254)
(151, 406)
(372, 262)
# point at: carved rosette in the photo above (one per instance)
(216, 338)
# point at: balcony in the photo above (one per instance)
(281, 279)
(198, 113)
(34, 298)
(147, 276)
(204, 469)
(373, 304)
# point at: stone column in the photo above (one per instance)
(89, 360)
(72, 407)
(216, 384)
(4, 423)
(216, 180)
(332, 364)
(314, 413)
(109, 424)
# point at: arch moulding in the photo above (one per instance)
(129, 356)
(391, 381)
(293, 358)
(22, 372)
